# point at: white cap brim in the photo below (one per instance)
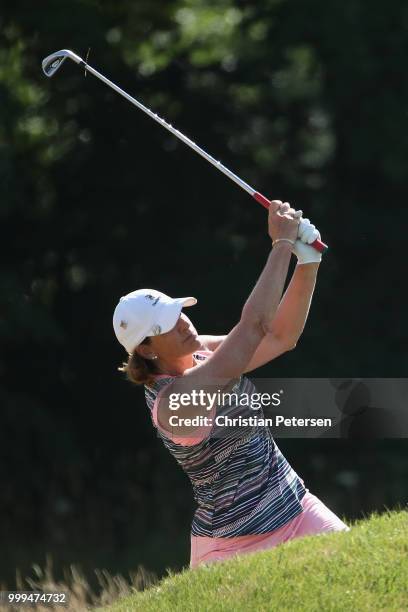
(169, 313)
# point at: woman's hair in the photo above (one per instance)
(139, 370)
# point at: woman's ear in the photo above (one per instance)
(143, 350)
(146, 351)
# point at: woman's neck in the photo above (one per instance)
(176, 367)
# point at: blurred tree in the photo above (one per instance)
(307, 101)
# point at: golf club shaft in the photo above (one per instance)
(173, 130)
(317, 244)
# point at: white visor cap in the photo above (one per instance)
(146, 312)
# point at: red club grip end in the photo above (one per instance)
(262, 200)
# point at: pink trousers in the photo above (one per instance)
(315, 519)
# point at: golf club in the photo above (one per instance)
(53, 62)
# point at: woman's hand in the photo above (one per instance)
(283, 221)
(305, 253)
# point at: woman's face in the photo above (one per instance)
(180, 341)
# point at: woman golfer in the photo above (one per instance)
(249, 497)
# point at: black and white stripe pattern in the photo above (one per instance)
(241, 482)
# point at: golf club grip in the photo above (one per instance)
(317, 244)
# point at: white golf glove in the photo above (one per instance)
(307, 234)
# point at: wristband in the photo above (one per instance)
(292, 242)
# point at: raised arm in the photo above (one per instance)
(293, 310)
(288, 324)
(290, 318)
(232, 357)
(211, 343)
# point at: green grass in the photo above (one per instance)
(363, 569)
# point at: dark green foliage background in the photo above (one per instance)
(305, 100)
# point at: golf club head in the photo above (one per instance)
(53, 62)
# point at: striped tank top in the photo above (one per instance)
(241, 482)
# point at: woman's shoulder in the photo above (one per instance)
(162, 380)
